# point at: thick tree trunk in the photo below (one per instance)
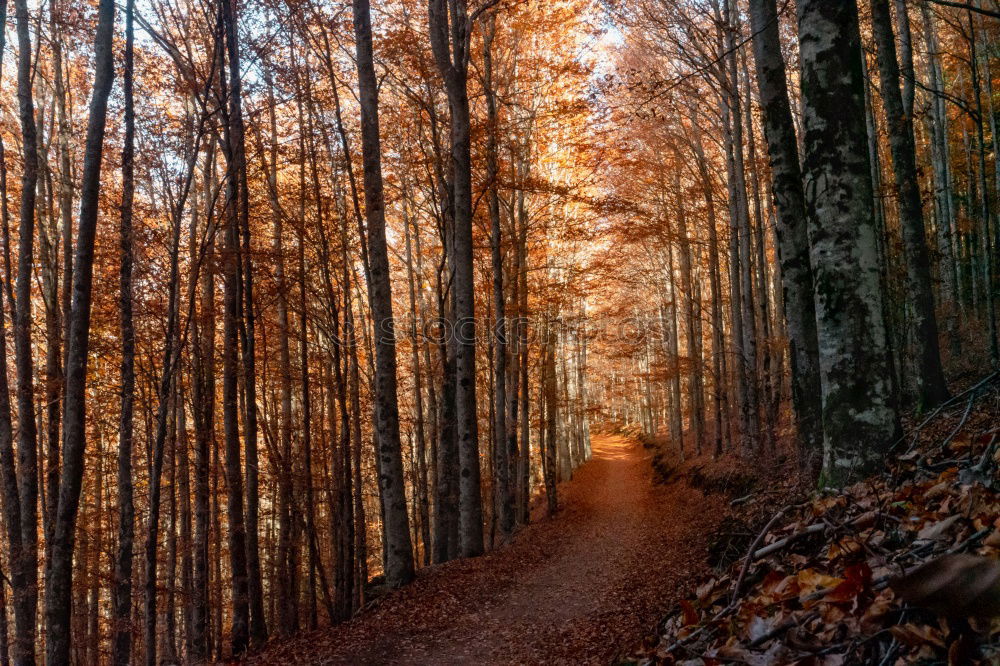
(859, 407)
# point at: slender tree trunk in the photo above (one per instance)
(58, 587)
(929, 377)
(240, 595)
(450, 43)
(399, 566)
(687, 285)
(24, 569)
(949, 296)
(986, 213)
(751, 411)
(203, 404)
(420, 485)
(503, 497)
(184, 495)
(258, 626)
(720, 409)
(524, 460)
(288, 612)
(163, 416)
(550, 423)
(669, 314)
(793, 241)
(121, 641)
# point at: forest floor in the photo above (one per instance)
(581, 587)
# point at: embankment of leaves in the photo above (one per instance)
(903, 568)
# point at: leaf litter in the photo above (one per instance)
(903, 568)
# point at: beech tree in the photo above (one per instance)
(377, 283)
(399, 562)
(859, 405)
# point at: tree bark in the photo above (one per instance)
(239, 569)
(399, 566)
(859, 407)
(503, 496)
(793, 240)
(58, 587)
(928, 375)
(452, 56)
(25, 570)
(121, 642)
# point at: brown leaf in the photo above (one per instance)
(811, 580)
(935, 531)
(916, 635)
(857, 579)
(954, 586)
(690, 614)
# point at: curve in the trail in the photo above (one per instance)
(581, 587)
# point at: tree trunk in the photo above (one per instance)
(928, 375)
(420, 485)
(451, 55)
(163, 415)
(239, 571)
(399, 566)
(503, 497)
(121, 642)
(740, 255)
(695, 372)
(550, 423)
(58, 588)
(719, 405)
(25, 570)
(986, 237)
(241, 204)
(793, 241)
(203, 404)
(859, 408)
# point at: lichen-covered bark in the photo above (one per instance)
(859, 406)
(793, 241)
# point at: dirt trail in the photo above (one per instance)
(581, 587)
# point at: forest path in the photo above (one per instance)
(581, 587)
